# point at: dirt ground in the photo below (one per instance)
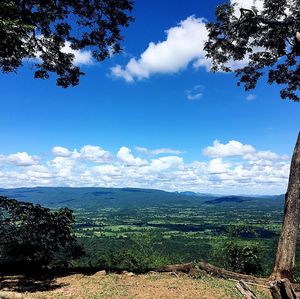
(103, 286)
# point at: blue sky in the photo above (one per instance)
(151, 122)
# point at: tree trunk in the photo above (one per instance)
(282, 289)
(285, 257)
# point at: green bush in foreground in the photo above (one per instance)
(138, 254)
(34, 237)
(242, 258)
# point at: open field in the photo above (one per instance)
(179, 234)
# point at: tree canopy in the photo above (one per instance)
(34, 235)
(267, 40)
(39, 30)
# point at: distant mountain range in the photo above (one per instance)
(92, 198)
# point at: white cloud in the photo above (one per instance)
(251, 97)
(22, 159)
(88, 152)
(246, 151)
(183, 45)
(125, 156)
(165, 163)
(60, 151)
(94, 154)
(230, 149)
(265, 155)
(63, 166)
(106, 170)
(39, 172)
(72, 164)
(157, 151)
(251, 171)
(217, 166)
(81, 57)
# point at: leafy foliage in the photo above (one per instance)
(31, 27)
(136, 253)
(269, 40)
(35, 236)
(242, 258)
(138, 256)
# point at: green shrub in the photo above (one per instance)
(135, 253)
(138, 255)
(35, 237)
(242, 258)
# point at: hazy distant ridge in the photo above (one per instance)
(90, 197)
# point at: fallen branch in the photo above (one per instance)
(204, 267)
(185, 268)
(252, 283)
(245, 291)
(220, 272)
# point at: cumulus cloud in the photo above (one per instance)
(94, 154)
(63, 166)
(217, 166)
(88, 152)
(109, 169)
(230, 149)
(183, 45)
(264, 155)
(60, 151)
(22, 159)
(158, 151)
(165, 163)
(245, 151)
(125, 156)
(251, 170)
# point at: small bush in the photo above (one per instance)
(242, 258)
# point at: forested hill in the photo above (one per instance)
(88, 197)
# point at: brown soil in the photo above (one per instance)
(146, 286)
